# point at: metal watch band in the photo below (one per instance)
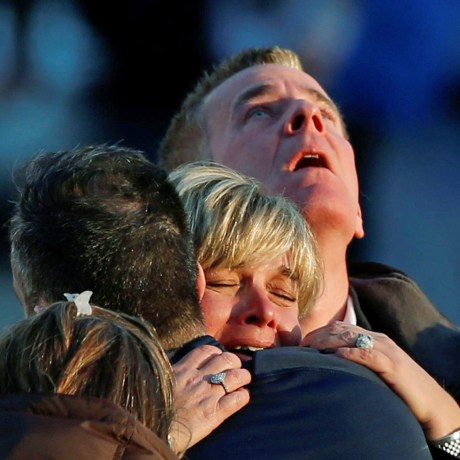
(449, 444)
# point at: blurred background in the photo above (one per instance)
(79, 72)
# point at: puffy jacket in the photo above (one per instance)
(55, 426)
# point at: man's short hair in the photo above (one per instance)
(104, 218)
(185, 139)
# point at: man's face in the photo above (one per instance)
(252, 305)
(278, 125)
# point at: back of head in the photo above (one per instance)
(103, 354)
(106, 219)
(235, 222)
(185, 139)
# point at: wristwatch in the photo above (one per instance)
(449, 444)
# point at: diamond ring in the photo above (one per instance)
(219, 379)
(364, 341)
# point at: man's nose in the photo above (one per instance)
(304, 115)
(259, 310)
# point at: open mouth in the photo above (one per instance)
(245, 350)
(310, 160)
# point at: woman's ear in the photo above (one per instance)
(200, 281)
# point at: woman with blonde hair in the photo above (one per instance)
(258, 255)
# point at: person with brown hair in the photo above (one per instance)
(104, 218)
(79, 381)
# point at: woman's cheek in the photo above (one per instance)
(216, 312)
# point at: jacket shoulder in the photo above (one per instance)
(367, 270)
(387, 300)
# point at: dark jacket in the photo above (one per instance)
(309, 405)
(387, 300)
(39, 427)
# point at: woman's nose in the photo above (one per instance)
(259, 310)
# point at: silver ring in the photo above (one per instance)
(219, 379)
(364, 341)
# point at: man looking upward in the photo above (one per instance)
(261, 113)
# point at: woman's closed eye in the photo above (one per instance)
(218, 284)
(285, 296)
(222, 285)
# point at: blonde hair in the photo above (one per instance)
(234, 221)
(186, 138)
(106, 354)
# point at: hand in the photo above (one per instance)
(200, 405)
(433, 407)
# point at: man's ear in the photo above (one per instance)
(359, 228)
(200, 281)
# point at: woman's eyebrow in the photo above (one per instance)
(286, 271)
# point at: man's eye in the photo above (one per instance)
(329, 114)
(258, 112)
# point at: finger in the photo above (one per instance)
(332, 335)
(330, 339)
(369, 357)
(315, 335)
(384, 362)
(340, 328)
(231, 380)
(236, 378)
(220, 362)
(340, 334)
(232, 402)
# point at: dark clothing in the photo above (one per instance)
(387, 300)
(309, 405)
(179, 353)
(37, 426)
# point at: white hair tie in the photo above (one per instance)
(81, 301)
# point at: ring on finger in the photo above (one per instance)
(219, 379)
(364, 341)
